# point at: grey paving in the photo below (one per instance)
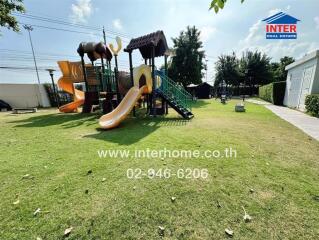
(306, 123)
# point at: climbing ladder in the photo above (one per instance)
(176, 96)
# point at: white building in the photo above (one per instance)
(24, 95)
(302, 80)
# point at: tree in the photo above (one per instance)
(227, 68)
(187, 64)
(278, 69)
(255, 67)
(7, 7)
(219, 4)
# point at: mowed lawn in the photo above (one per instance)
(275, 177)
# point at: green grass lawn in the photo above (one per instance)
(275, 159)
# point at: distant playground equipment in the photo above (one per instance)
(116, 93)
(223, 90)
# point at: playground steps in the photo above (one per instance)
(183, 111)
(176, 96)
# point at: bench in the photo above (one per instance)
(24, 110)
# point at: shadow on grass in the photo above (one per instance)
(66, 120)
(133, 130)
(201, 103)
(130, 130)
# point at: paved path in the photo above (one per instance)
(259, 102)
(308, 124)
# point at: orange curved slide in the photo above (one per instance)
(114, 118)
(72, 72)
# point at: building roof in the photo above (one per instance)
(281, 18)
(306, 58)
(146, 43)
(198, 85)
(192, 85)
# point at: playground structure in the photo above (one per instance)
(102, 84)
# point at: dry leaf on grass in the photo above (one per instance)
(161, 230)
(68, 231)
(36, 212)
(27, 176)
(229, 232)
(246, 217)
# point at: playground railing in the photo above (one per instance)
(174, 91)
(108, 81)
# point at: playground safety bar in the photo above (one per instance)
(108, 81)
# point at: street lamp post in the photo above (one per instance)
(29, 29)
(206, 60)
(56, 94)
(247, 74)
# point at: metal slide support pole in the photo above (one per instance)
(165, 65)
(116, 72)
(84, 74)
(154, 82)
(131, 74)
(102, 74)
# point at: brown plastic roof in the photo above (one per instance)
(94, 50)
(145, 44)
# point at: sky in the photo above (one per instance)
(238, 27)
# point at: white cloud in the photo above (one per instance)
(206, 32)
(254, 32)
(81, 11)
(255, 40)
(274, 11)
(316, 19)
(281, 48)
(117, 24)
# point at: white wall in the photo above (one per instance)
(24, 95)
(302, 79)
(315, 85)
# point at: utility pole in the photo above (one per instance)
(104, 36)
(29, 29)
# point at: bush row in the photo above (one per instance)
(273, 92)
(312, 104)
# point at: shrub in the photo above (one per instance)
(273, 92)
(312, 104)
(265, 92)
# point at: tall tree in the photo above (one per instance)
(278, 69)
(7, 7)
(187, 65)
(255, 68)
(227, 68)
(219, 4)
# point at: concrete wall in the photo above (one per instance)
(24, 95)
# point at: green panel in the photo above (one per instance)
(174, 91)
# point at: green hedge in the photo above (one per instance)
(273, 92)
(312, 104)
